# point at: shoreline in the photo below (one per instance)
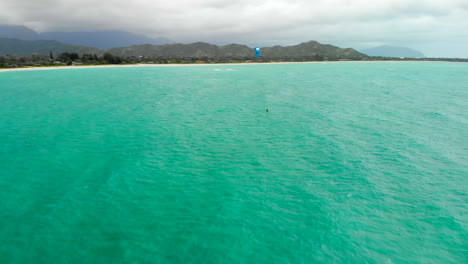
(44, 68)
(34, 68)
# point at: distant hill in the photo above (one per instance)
(129, 44)
(103, 39)
(41, 47)
(312, 48)
(99, 39)
(198, 49)
(391, 51)
(309, 50)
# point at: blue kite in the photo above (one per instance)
(257, 52)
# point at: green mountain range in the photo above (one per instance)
(311, 50)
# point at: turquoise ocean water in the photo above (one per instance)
(353, 163)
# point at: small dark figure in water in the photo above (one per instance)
(267, 110)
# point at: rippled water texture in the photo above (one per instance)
(353, 163)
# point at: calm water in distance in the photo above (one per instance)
(353, 163)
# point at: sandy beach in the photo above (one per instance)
(181, 65)
(148, 65)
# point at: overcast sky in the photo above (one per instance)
(436, 27)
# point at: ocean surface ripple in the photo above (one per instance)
(352, 163)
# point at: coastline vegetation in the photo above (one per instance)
(75, 59)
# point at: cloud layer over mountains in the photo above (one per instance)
(437, 27)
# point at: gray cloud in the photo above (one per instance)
(436, 27)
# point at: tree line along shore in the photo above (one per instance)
(71, 58)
